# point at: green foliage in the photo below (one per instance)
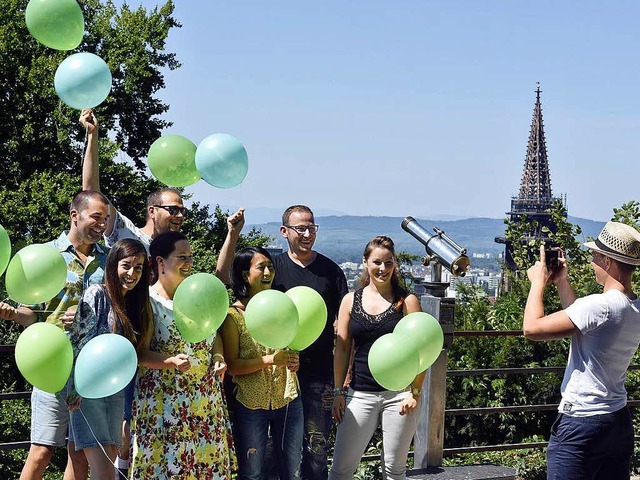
(405, 260)
(529, 463)
(628, 213)
(207, 232)
(35, 125)
(474, 312)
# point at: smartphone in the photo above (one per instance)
(551, 257)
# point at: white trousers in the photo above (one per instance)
(364, 412)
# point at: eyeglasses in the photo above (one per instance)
(302, 229)
(173, 209)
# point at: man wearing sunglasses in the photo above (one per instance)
(301, 265)
(165, 209)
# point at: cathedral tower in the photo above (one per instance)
(535, 197)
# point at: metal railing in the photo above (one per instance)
(462, 411)
(505, 409)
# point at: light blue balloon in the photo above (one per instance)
(83, 80)
(222, 160)
(105, 365)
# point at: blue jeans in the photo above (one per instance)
(251, 428)
(317, 400)
(591, 448)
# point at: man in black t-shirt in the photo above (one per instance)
(301, 265)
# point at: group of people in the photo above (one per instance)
(173, 419)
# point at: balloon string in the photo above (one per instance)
(98, 442)
(242, 203)
(284, 426)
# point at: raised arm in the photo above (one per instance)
(235, 223)
(537, 325)
(561, 279)
(91, 164)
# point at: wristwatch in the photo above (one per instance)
(415, 391)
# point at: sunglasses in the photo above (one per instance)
(302, 229)
(173, 209)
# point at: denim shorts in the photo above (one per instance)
(98, 422)
(49, 418)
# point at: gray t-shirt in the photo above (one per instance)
(600, 353)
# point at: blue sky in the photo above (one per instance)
(411, 107)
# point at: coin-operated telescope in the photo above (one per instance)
(441, 250)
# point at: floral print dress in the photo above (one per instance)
(180, 426)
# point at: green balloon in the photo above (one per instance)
(200, 305)
(44, 356)
(425, 330)
(5, 249)
(393, 361)
(312, 316)
(36, 274)
(58, 24)
(272, 319)
(172, 160)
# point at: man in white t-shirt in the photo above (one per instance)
(592, 437)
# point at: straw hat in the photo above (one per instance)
(618, 241)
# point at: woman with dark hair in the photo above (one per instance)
(120, 305)
(180, 425)
(266, 386)
(365, 315)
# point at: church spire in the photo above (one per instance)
(534, 199)
(535, 186)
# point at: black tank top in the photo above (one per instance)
(366, 329)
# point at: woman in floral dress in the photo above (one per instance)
(180, 425)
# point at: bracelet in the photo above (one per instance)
(218, 355)
(339, 391)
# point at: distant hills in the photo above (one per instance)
(343, 238)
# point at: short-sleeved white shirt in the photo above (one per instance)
(600, 353)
